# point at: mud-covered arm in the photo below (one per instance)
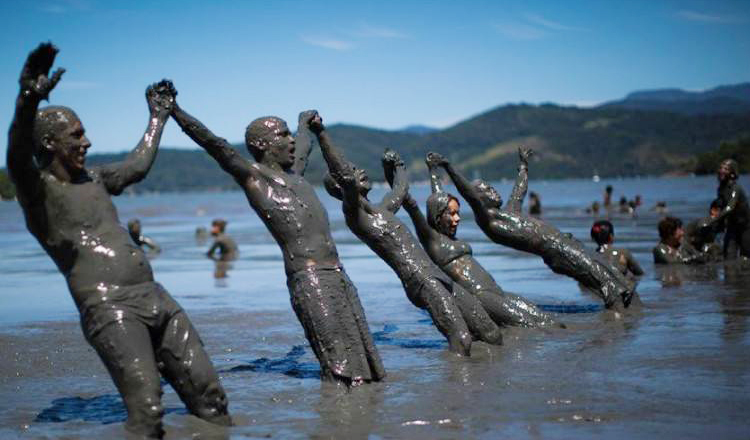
(515, 203)
(463, 185)
(212, 250)
(35, 86)
(734, 198)
(118, 176)
(338, 166)
(227, 157)
(303, 144)
(427, 235)
(632, 264)
(664, 255)
(151, 244)
(395, 174)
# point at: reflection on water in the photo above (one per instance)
(679, 367)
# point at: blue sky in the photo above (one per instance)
(381, 64)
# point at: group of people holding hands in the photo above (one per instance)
(142, 334)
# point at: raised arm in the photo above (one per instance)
(227, 157)
(338, 165)
(35, 86)
(436, 183)
(515, 202)
(427, 235)
(303, 142)
(395, 174)
(464, 187)
(117, 176)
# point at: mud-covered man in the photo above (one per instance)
(135, 326)
(324, 299)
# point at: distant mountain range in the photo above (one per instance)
(648, 133)
(723, 99)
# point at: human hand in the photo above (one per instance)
(161, 97)
(34, 76)
(315, 123)
(392, 158)
(524, 154)
(434, 160)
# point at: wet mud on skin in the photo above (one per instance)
(651, 373)
(679, 368)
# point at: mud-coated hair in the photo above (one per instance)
(49, 121)
(734, 167)
(219, 223)
(601, 231)
(667, 227)
(257, 132)
(437, 204)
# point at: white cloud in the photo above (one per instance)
(63, 6)
(520, 31)
(328, 43)
(708, 18)
(369, 31)
(549, 24)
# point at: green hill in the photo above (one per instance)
(568, 141)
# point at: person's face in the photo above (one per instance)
(215, 230)
(489, 196)
(724, 172)
(363, 181)
(450, 219)
(280, 144)
(714, 212)
(678, 234)
(69, 146)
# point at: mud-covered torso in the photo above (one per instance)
(78, 226)
(392, 241)
(293, 214)
(455, 258)
(523, 233)
(740, 217)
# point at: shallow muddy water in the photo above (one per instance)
(677, 368)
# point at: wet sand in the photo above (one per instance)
(679, 368)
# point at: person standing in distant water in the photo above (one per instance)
(561, 252)
(138, 330)
(535, 204)
(603, 233)
(734, 215)
(700, 234)
(322, 295)
(607, 203)
(670, 249)
(223, 243)
(134, 229)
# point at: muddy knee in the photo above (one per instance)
(212, 404)
(460, 342)
(145, 417)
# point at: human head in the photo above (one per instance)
(268, 139)
(487, 194)
(728, 170)
(360, 177)
(670, 231)
(134, 226)
(58, 136)
(608, 189)
(533, 195)
(443, 213)
(218, 226)
(603, 232)
(715, 208)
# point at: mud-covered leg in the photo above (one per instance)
(187, 367)
(446, 316)
(377, 369)
(511, 309)
(477, 319)
(126, 350)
